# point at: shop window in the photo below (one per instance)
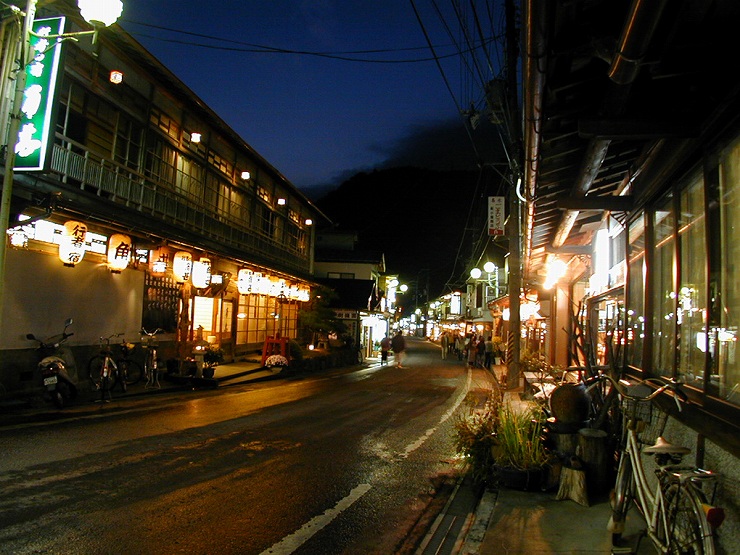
(663, 291)
(723, 188)
(635, 337)
(691, 308)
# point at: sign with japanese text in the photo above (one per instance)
(496, 215)
(36, 127)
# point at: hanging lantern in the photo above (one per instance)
(159, 261)
(182, 265)
(71, 251)
(244, 281)
(119, 252)
(72, 243)
(202, 273)
(77, 231)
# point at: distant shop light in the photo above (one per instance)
(281, 202)
(182, 266)
(309, 221)
(116, 77)
(246, 175)
(195, 138)
(119, 252)
(202, 273)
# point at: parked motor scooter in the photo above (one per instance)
(57, 383)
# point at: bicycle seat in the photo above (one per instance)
(663, 447)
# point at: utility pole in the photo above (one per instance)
(515, 243)
(15, 120)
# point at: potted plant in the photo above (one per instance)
(276, 361)
(212, 357)
(519, 454)
(499, 349)
(503, 444)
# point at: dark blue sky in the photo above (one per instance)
(356, 89)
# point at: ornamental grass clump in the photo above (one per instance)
(475, 435)
(518, 442)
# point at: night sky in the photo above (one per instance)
(325, 88)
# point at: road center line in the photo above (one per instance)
(292, 542)
(411, 447)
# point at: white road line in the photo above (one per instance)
(290, 543)
(411, 447)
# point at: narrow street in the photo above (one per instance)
(353, 461)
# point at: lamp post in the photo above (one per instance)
(99, 14)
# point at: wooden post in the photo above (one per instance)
(592, 451)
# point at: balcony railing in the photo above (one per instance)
(121, 185)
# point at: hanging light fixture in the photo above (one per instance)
(202, 273)
(119, 252)
(100, 13)
(244, 281)
(182, 266)
(158, 261)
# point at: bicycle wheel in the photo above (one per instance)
(623, 496)
(130, 370)
(94, 367)
(682, 525)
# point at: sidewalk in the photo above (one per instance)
(516, 522)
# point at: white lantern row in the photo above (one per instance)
(250, 282)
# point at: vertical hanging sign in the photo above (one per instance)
(36, 127)
(496, 215)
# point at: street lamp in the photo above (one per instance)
(99, 14)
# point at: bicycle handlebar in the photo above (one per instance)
(151, 333)
(666, 384)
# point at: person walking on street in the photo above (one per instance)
(445, 341)
(385, 346)
(398, 343)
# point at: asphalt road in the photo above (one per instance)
(353, 461)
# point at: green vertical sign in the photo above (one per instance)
(36, 128)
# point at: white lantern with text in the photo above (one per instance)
(202, 273)
(244, 281)
(72, 243)
(182, 266)
(158, 261)
(119, 252)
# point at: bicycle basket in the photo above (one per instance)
(648, 420)
(148, 341)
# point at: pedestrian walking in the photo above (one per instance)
(489, 352)
(459, 346)
(445, 341)
(398, 344)
(385, 346)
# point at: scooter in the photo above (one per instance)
(57, 383)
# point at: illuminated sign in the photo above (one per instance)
(496, 215)
(35, 129)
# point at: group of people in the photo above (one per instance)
(475, 349)
(397, 344)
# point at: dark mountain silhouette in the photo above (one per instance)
(427, 223)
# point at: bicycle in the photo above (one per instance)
(149, 343)
(679, 514)
(128, 368)
(103, 371)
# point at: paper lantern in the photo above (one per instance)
(182, 266)
(119, 252)
(244, 281)
(202, 273)
(71, 251)
(159, 261)
(77, 231)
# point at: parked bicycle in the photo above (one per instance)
(128, 368)
(103, 371)
(677, 506)
(150, 343)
